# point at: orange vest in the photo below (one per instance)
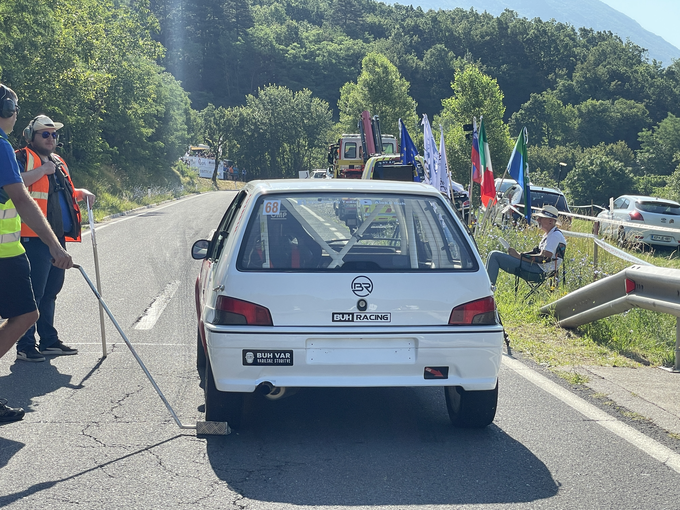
(39, 190)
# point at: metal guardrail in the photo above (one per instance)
(609, 248)
(651, 288)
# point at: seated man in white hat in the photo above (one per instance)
(541, 260)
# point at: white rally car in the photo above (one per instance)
(349, 283)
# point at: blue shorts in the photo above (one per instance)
(16, 297)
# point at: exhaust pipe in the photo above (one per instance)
(270, 391)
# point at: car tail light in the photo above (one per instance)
(636, 216)
(229, 310)
(481, 311)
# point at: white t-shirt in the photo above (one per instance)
(549, 242)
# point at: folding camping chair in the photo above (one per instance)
(536, 280)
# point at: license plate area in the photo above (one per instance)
(361, 351)
(665, 239)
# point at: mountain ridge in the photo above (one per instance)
(579, 13)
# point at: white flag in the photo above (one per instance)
(431, 154)
(444, 173)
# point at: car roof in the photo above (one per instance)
(340, 185)
(546, 190)
(643, 198)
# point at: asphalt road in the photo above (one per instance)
(96, 435)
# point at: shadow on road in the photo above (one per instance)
(31, 380)
(33, 489)
(373, 446)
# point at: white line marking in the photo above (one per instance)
(131, 215)
(637, 439)
(151, 314)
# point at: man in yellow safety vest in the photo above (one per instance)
(17, 304)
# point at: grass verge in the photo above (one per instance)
(635, 338)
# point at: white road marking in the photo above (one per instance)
(151, 314)
(637, 439)
(100, 226)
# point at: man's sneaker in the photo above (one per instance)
(58, 349)
(30, 354)
(8, 413)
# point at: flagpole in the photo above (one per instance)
(472, 166)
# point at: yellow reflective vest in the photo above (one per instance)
(10, 226)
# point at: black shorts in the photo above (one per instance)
(16, 297)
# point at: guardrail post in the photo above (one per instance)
(596, 230)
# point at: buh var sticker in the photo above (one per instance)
(251, 357)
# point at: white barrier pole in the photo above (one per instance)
(90, 216)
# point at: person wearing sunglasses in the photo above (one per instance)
(49, 183)
(17, 304)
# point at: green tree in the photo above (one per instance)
(547, 119)
(544, 163)
(218, 130)
(610, 121)
(474, 95)
(283, 132)
(596, 178)
(382, 91)
(660, 147)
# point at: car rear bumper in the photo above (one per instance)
(651, 236)
(468, 359)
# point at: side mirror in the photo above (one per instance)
(199, 250)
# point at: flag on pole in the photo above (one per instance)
(431, 153)
(444, 173)
(518, 168)
(488, 185)
(476, 163)
(408, 148)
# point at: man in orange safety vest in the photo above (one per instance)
(49, 184)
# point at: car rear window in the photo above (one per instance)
(542, 198)
(353, 232)
(659, 208)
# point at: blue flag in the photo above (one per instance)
(518, 168)
(408, 149)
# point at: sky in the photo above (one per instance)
(660, 17)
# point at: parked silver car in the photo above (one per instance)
(647, 212)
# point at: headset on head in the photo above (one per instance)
(9, 105)
(28, 131)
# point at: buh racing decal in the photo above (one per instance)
(361, 317)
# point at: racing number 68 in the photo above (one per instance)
(272, 207)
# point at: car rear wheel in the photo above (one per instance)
(221, 405)
(200, 353)
(471, 409)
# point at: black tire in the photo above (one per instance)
(621, 238)
(222, 405)
(471, 409)
(200, 353)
